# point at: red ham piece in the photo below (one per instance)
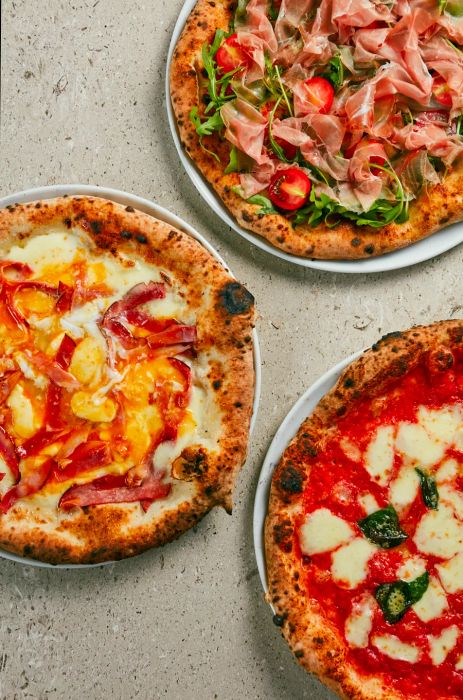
(114, 489)
(28, 485)
(8, 453)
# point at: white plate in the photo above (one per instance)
(418, 252)
(148, 207)
(285, 433)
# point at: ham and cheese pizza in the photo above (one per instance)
(126, 380)
(364, 532)
(332, 128)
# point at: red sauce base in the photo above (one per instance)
(335, 484)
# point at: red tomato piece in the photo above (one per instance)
(232, 55)
(441, 91)
(289, 189)
(377, 160)
(320, 93)
(289, 149)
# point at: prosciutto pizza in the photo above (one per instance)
(364, 532)
(333, 129)
(126, 380)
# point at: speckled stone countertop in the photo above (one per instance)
(83, 100)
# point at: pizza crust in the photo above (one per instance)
(315, 642)
(435, 208)
(224, 312)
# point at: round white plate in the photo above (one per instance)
(148, 207)
(285, 433)
(418, 252)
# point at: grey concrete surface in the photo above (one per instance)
(82, 100)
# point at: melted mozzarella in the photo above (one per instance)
(392, 646)
(442, 423)
(322, 532)
(447, 471)
(442, 645)
(350, 563)
(404, 489)
(411, 569)
(433, 602)
(418, 446)
(360, 621)
(379, 456)
(439, 533)
(368, 503)
(451, 574)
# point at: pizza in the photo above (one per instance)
(332, 129)
(364, 531)
(126, 380)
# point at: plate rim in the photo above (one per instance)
(413, 254)
(154, 209)
(300, 410)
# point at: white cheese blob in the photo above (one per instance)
(459, 664)
(433, 602)
(447, 471)
(442, 423)
(417, 446)
(451, 574)
(322, 532)
(360, 621)
(411, 569)
(441, 645)
(350, 563)
(392, 646)
(405, 488)
(379, 456)
(368, 503)
(439, 533)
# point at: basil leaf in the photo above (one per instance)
(396, 598)
(382, 527)
(428, 489)
(265, 203)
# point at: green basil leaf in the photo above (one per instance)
(383, 528)
(396, 598)
(428, 489)
(335, 72)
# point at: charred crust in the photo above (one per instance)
(440, 360)
(129, 209)
(235, 298)
(216, 384)
(291, 480)
(349, 383)
(141, 238)
(126, 234)
(192, 464)
(96, 226)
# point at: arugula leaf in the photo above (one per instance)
(206, 128)
(335, 72)
(396, 598)
(428, 489)
(265, 203)
(239, 162)
(383, 528)
(240, 14)
(273, 11)
(274, 83)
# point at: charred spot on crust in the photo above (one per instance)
(129, 209)
(440, 360)
(349, 383)
(141, 238)
(298, 653)
(369, 249)
(96, 226)
(282, 534)
(247, 217)
(67, 223)
(216, 384)
(341, 411)
(291, 480)
(98, 552)
(355, 242)
(126, 234)
(235, 298)
(399, 367)
(191, 464)
(27, 550)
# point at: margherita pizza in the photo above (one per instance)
(364, 533)
(126, 384)
(333, 129)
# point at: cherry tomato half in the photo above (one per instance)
(320, 93)
(289, 189)
(232, 55)
(377, 160)
(441, 91)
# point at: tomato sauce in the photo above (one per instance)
(336, 483)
